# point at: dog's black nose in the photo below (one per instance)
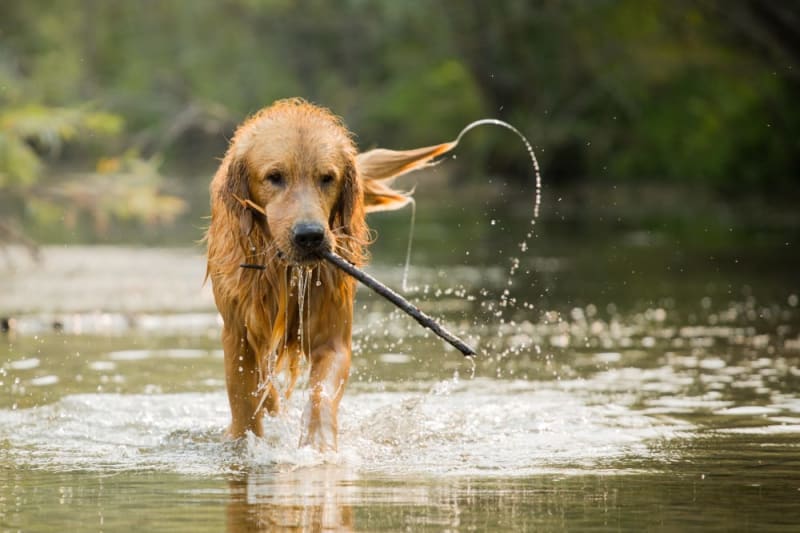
(308, 236)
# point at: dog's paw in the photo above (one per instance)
(319, 426)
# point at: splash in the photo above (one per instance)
(447, 147)
(505, 298)
(507, 301)
(534, 162)
(448, 427)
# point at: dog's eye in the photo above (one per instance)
(275, 178)
(326, 179)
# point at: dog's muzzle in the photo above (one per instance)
(308, 238)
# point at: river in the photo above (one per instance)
(627, 379)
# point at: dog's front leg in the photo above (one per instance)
(241, 378)
(330, 368)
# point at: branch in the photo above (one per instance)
(409, 308)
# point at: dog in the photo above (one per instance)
(291, 185)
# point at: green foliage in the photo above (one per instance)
(686, 91)
(442, 96)
(121, 188)
(19, 164)
(693, 106)
(31, 130)
(124, 188)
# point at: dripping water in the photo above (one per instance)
(407, 266)
(303, 275)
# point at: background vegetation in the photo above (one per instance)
(101, 99)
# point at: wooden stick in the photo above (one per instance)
(423, 319)
(415, 313)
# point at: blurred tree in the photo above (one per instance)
(697, 92)
(46, 127)
(643, 89)
(125, 187)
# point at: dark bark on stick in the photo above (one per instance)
(423, 319)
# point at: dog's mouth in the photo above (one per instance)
(302, 257)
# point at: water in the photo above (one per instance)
(628, 383)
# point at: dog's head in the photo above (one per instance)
(294, 172)
(295, 162)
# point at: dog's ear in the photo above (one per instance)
(349, 209)
(236, 194)
(380, 166)
(348, 217)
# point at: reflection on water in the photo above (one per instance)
(316, 499)
(704, 491)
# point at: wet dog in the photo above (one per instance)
(291, 185)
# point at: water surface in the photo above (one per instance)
(624, 382)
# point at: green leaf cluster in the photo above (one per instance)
(30, 132)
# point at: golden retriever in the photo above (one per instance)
(292, 184)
